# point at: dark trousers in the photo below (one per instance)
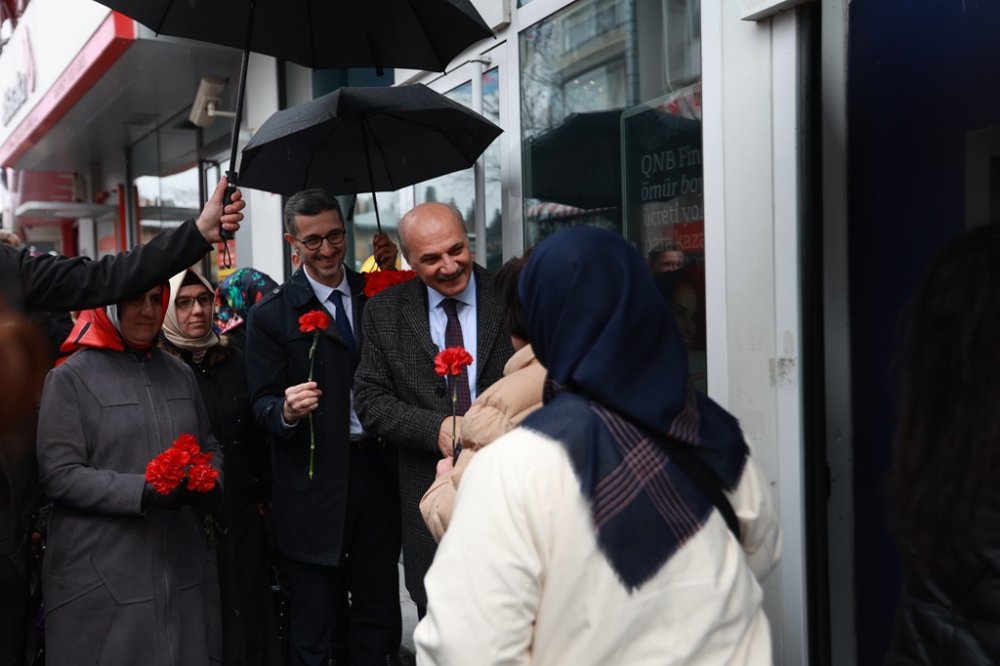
(13, 590)
(318, 615)
(249, 623)
(369, 628)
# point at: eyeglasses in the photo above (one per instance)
(185, 302)
(335, 237)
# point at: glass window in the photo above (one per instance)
(459, 189)
(359, 214)
(166, 176)
(611, 137)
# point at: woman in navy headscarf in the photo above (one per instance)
(579, 538)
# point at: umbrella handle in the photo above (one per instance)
(228, 199)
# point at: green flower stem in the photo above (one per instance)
(312, 434)
(312, 447)
(454, 410)
(312, 354)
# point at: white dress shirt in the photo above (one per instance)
(323, 294)
(466, 309)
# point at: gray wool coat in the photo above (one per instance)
(399, 397)
(122, 585)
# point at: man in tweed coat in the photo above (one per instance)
(397, 394)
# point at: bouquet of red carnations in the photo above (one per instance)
(184, 459)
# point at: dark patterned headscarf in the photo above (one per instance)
(617, 371)
(237, 294)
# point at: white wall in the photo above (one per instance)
(259, 243)
(751, 107)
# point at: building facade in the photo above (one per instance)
(712, 134)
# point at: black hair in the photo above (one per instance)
(505, 285)
(309, 202)
(946, 459)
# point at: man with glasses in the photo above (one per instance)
(335, 504)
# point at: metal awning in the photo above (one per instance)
(64, 210)
(70, 210)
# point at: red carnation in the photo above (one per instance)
(201, 478)
(376, 281)
(314, 320)
(163, 475)
(452, 361)
(201, 458)
(184, 449)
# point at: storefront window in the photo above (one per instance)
(165, 172)
(611, 136)
(165, 202)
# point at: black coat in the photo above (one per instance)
(309, 514)
(222, 381)
(248, 631)
(46, 282)
(951, 618)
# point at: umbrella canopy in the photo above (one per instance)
(365, 139)
(418, 34)
(579, 163)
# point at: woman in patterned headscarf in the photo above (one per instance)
(234, 298)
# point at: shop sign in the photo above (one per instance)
(16, 93)
(662, 183)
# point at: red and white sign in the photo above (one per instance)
(44, 75)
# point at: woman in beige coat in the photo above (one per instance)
(500, 409)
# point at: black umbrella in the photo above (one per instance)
(579, 163)
(417, 34)
(361, 139)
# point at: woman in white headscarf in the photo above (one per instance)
(220, 370)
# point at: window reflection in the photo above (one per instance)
(611, 131)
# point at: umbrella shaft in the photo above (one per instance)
(368, 163)
(240, 90)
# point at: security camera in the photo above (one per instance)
(206, 102)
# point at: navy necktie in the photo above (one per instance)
(453, 338)
(344, 325)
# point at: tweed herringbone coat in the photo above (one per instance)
(399, 397)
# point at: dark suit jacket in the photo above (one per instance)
(309, 515)
(400, 398)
